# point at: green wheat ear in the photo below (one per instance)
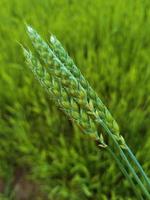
(103, 112)
(74, 83)
(71, 92)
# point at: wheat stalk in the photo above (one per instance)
(73, 94)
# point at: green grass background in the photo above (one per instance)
(42, 155)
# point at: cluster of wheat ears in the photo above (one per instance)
(71, 92)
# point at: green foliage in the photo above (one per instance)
(110, 41)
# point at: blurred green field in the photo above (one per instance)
(42, 155)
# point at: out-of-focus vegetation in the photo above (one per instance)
(42, 155)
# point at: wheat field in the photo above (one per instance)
(43, 155)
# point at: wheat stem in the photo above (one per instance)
(133, 158)
(124, 171)
(126, 160)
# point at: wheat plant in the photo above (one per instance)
(72, 93)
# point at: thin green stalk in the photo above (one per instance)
(145, 192)
(124, 171)
(133, 158)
